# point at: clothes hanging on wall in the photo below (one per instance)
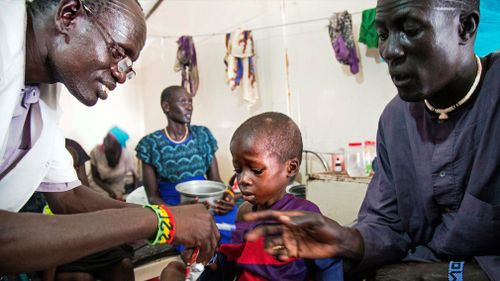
(240, 64)
(186, 62)
(367, 31)
(340, 30)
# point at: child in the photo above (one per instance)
(267, 152)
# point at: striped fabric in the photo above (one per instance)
(253, 262)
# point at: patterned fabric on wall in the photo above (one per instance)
(186, 62)
(340, 30)
(240, 64)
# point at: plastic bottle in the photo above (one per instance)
(370, 154)
(355, 160)
(337, 168)
(338, 163)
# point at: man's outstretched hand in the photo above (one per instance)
(302, 234)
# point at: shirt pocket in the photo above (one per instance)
(485, 212)
(472, 231)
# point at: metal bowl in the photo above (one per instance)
(297, 189)
(204, 190)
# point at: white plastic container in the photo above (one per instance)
(370, 154)
(355, 160)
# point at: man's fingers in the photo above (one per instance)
(215, 238)
(283, 257)
(196, 229)
(262, 215)
(206, 252)
(186, 254)
(269, 215)
(254, 234)
(291, 219)
(212, 243)
(209, 244)
(276, 247)
(264, 230)
(306, 220)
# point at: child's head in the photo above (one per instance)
(267, 151)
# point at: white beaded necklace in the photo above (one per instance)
(443, 113)
(186, 134)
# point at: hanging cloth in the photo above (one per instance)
(368, 32)
(186, 62)
(340, 30)
(488, 33)
(240, 64)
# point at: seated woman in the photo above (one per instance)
(110, 164)
(180, 152)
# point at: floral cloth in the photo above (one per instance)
(186, 62)
(240, 64)
(340, 30)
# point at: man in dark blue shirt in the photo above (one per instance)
(435, 196)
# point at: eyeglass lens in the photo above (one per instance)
(124, 64)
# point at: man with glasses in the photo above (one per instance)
(433, 206)
(89, 46)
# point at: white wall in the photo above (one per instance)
(331, 106)
(89, 125)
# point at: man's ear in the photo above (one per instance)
(468, 26)
(66, 13)
(293, 167)
(165, 106)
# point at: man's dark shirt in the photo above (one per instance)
(437, 183)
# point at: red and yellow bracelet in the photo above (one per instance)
(166, 225)
(230, 191)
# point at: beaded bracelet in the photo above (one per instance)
(230, 192)
(166, 225)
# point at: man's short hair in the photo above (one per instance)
(167, 93)
(41, 6)
(96, 6)
(277, 131)
(462, 5)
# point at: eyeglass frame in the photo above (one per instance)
(124, 62)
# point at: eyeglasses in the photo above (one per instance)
(124, 63)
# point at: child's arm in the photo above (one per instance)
(244, 209)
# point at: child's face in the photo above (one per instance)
(262, 176)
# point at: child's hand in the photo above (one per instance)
(225, 204)
(197, 201)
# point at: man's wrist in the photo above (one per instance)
(166, 225)
(352, 245)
